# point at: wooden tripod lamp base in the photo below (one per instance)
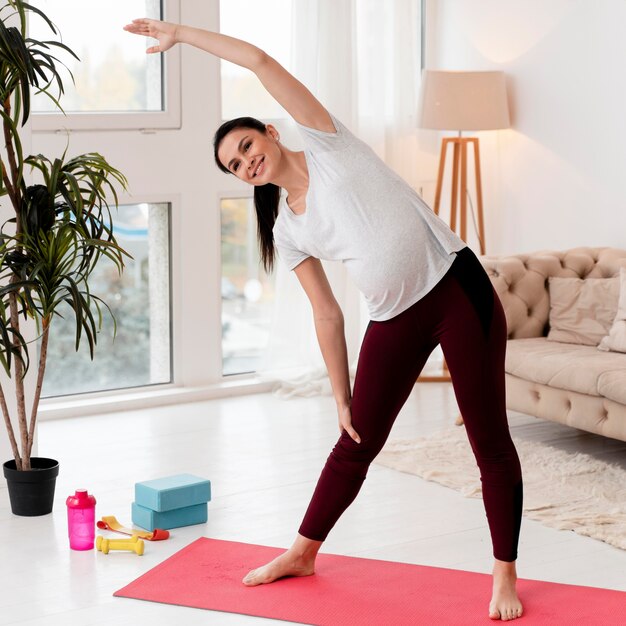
(459, 187)
(444, 377)
(459, 184)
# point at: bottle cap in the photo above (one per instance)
(80, 500)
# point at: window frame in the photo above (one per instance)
(171, 201)
(169, 118)
(231, 194)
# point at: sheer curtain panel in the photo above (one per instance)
(361, 58)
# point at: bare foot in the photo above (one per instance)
(505, 604)
(287, 564)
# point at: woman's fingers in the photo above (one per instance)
(353, 434)
(142, 22)
(140, 26)
(345, 423)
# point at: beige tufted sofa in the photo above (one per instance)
(576, 385)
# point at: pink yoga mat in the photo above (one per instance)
(349, 591)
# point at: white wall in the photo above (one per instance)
(555, 179)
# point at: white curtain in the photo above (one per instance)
(361, 59)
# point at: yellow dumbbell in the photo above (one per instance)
(134, 544)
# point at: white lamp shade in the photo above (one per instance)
(463, 101)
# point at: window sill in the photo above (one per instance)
(79, 406)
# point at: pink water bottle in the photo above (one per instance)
(81, 520)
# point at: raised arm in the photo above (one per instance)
(329, 327)
(289, 92)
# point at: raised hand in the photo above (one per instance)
(165, 32)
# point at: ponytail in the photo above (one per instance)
(266, 197)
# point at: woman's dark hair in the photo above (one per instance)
(266, 197)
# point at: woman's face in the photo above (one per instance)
(251, 155)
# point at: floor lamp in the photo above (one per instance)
(461, 101)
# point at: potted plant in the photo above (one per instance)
(60, 230)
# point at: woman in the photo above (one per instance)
(423, 287)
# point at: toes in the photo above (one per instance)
(504, 615)
(249, 578)
(508, 614)
(258, 576)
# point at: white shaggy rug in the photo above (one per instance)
(561, 490)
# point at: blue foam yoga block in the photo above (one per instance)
(185, 516)
(172, 492)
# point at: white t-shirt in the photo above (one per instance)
(360, 212)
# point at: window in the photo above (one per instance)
(247, 291)
(140, 301)
(117, 85)
(267, 25)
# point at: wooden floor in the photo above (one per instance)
(263, 456)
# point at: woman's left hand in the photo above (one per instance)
(345, 422)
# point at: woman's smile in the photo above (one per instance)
(259, 168)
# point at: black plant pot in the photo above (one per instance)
(32, 493)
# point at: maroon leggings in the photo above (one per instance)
(465, 315)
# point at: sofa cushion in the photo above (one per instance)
(522, 281)
(566, 366)
(582, 311)
(612, 385)
(616, 339)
